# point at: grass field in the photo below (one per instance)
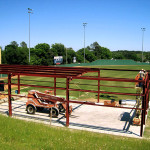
(18, 134)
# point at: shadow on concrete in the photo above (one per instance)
(19, 106)
(127, 117)
(102, 128)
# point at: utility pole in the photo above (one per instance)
(66, 55)
(143, 29)
(84, 25)
(29, 11)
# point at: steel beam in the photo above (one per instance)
(98, 104)
(116, 93)
(98, 86)
(142, 118)
(55, 86)
(18, 84)
(9, 95)
(67, 103)
(39, 86)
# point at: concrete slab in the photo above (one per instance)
(100, 119)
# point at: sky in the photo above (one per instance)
(115, 24)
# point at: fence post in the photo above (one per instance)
(55, 86)
(147, 102)
(9, 95)
(142, 117)
(143, 110)
(18, 84)
(67, 103)
(98, 86)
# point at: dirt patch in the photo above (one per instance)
(92, 100)
(5, 88)
(3, 96)
(12, 86)
(100, 101)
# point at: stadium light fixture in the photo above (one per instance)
(143, 29)
(29, 11)
(84, 25)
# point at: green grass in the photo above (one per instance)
(18, 134)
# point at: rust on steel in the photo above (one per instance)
(9, 95)
(55, 86)
(18, 84)
(67, 103)
(98, 86)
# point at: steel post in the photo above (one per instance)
(142, 116)
(147, 93)
(144, 102)
(55, 86)
(67, 103)
(98, 86)
(18, 84)
(143, 112)
(9, 95)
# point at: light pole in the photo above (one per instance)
(29, 11)
(84, 25)
(66, 55)
(143, 29)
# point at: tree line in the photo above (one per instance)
(43, 54)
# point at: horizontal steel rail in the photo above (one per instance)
(83, 102)
(104, 92)
(39, 86)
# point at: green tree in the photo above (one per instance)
(36, 56)
(130, 55)
(41, 55)
(23, 44)
(125, 54)
(89, 56)
(59, 49)
(14, 43)
(11, 54)
(3, 57)
(79, 58)
(117, 55)
(70, 54)
(105, 53)
(15, 55)
(94, 45)
(100, 52)
(22, 58)
(43, 46)
(147, 56)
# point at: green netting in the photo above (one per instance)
(107, 62)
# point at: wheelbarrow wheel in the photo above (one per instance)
(61, 108)
(54, 111)
(30, 109)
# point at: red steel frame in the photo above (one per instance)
(71, 73)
